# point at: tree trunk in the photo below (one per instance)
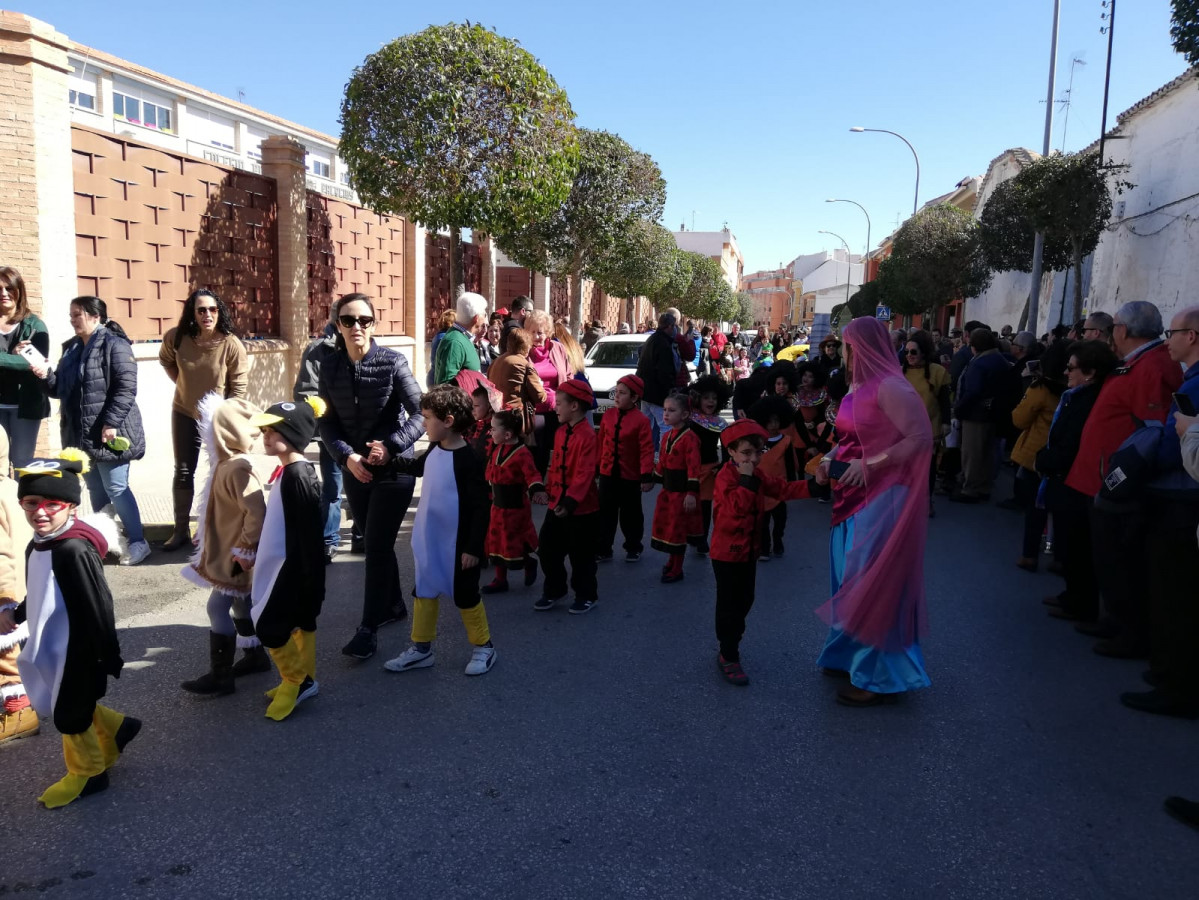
(1024, 317)
(457, 279)
(1077, 245)
(576, 298)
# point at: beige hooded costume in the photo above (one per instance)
(15, 535)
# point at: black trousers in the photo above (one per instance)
(735, 582)
(543, 440)
(185, 441)
(1118, 537)
(378, 507)
(1026, 486)
(573, 537)
(1174, 601)
(778, 518)
(620, 500)
(1072, 536)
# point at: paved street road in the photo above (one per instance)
(603, 757)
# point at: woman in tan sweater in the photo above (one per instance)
(201, 354)
(517, 379)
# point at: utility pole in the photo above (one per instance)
(1038, 250)
(1110, 15)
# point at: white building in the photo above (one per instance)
(720, 246)
(824, 279)
(111, 94)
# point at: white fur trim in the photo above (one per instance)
(15, 637)
(12, 690)
(207, 408)
(107, 527)
(245, 555)
(247, 642)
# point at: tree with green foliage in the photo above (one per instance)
(614, 189)
(1184, 29)
(457, 127)
(745, 309)
(641, 264)
(678, 279)
(708, 296)
(1007, 234)
(936, 258)
(1069, 198)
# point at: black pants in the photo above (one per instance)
(1026, 487)
(620, 499)
(378, 507)
(735, 583)
(1072, 535)
(543, 440)
(574, 537)
(1118, 537)
(778, 518)
(185, 440)
(1173, 558)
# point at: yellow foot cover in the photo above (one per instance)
(284, 701)
(107, 722)
(63, 791)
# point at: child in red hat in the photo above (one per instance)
(676, 512)
(514, 479)
(572, 522)
(742, 490)
(626, 469)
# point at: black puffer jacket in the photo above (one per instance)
(376, 399)
(106, 394)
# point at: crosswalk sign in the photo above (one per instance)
(882, 313)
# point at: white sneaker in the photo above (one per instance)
(481, 661)
(138, 551)
(410, 659)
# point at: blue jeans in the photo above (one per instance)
(108, 482)
(22, 436)
(330, 496)
(655, 413)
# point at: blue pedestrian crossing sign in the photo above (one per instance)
(882, 313)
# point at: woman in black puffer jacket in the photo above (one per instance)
(373, 416)
(96, 380)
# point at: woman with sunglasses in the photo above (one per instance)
(373, 416)
(931, 382)
(201, 354)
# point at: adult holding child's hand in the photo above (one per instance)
(373, 416)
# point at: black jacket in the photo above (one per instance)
(1055, 459)
(106, 395)
(657, 367)
(376, 399)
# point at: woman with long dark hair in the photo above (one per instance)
(96, 382)
(201, 354)
(23, 403)
(373, 416)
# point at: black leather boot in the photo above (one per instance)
(183, 509)
(218, 680)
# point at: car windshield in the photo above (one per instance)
(615, 354)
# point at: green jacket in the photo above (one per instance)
(32, 402)
(455, 352)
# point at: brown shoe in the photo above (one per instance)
(19, 724)
(1027, 563)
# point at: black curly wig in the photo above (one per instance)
(818, 373)
(711, 384)
(772, 406)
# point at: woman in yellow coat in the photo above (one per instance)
(931, 382)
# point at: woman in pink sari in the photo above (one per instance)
(880, 524)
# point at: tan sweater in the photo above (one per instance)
(196, 370)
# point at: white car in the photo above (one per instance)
(610, 359)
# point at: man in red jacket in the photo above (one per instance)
(1140, 389)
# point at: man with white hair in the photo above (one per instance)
(456, 350)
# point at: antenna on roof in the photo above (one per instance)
(241, 95)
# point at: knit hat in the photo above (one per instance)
(55, 479)
(742, 428)
(634, 384)
(295, 422)
(580, 390)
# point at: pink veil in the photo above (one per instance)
(881, 600)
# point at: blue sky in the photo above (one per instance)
(745, 106)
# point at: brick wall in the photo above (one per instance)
(511, 282)
(151, 226)
(439, 295)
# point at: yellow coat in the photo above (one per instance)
(1033, 417)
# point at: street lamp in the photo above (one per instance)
(848, 261)
(916, 200)
(866, 214)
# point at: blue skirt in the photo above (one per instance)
(869, 669)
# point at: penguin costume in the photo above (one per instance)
(72, 648)
(289, 570)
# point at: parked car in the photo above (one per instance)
(610, 359)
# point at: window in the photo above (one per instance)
(83, 100)
(345, 177)
(320, 168)
(222, 146)
(138, 112)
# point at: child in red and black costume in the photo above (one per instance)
(571, 525)
(709, 395)
(514, 479)
(480, 439)
(775, 414)
(742, 491)
(626, 469)
(676, 513)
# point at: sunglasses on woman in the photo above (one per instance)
(912, 352)
(363, 322)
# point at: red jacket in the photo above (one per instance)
(1140, 389)
(737, 509)
(570, 480)
(626, 445)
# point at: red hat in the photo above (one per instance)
(634, 384)
(743, 428)
(580, 390)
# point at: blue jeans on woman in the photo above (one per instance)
(22, 436)
(108, 482)
(330, 496)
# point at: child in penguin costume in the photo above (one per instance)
(72, 647)
(289, 570)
